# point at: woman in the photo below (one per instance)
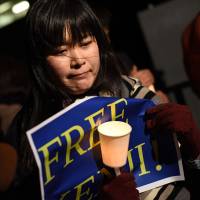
(70, 58)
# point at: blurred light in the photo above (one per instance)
(5, 6)
(20, 7)
(6, 19)
(10, 12)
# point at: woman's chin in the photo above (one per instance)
(80, 91)
(81, 87)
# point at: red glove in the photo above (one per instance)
(120, 187)
(172, 117)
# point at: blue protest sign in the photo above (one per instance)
(67, 149)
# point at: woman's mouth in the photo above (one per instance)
(79, 76)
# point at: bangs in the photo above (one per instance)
(50, 29)
(77, 30)
(78, 23)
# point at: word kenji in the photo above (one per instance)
(84, 189)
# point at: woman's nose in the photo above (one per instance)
(75, 53)
(77, 59)
(77, 62)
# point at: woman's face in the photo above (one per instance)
(76, 68)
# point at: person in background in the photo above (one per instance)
(191, 57)
(126, 64)
(8, 159)
(145, 75)
(191, 52)
(14, 88)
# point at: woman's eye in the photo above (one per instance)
(85, 43)
(61, 52)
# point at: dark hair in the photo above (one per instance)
(102, 12)
(47, 21)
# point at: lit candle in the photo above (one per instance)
(114, 140)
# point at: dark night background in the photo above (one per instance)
(125, 31)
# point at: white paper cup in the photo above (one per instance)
(114, 140)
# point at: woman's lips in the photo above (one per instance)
(79, 76)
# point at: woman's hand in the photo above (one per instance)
(172, 117)
(120, 187)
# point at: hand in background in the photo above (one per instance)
(163, 96)
(144, 75)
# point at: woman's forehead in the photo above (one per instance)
(75, 36)
(67, 36)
